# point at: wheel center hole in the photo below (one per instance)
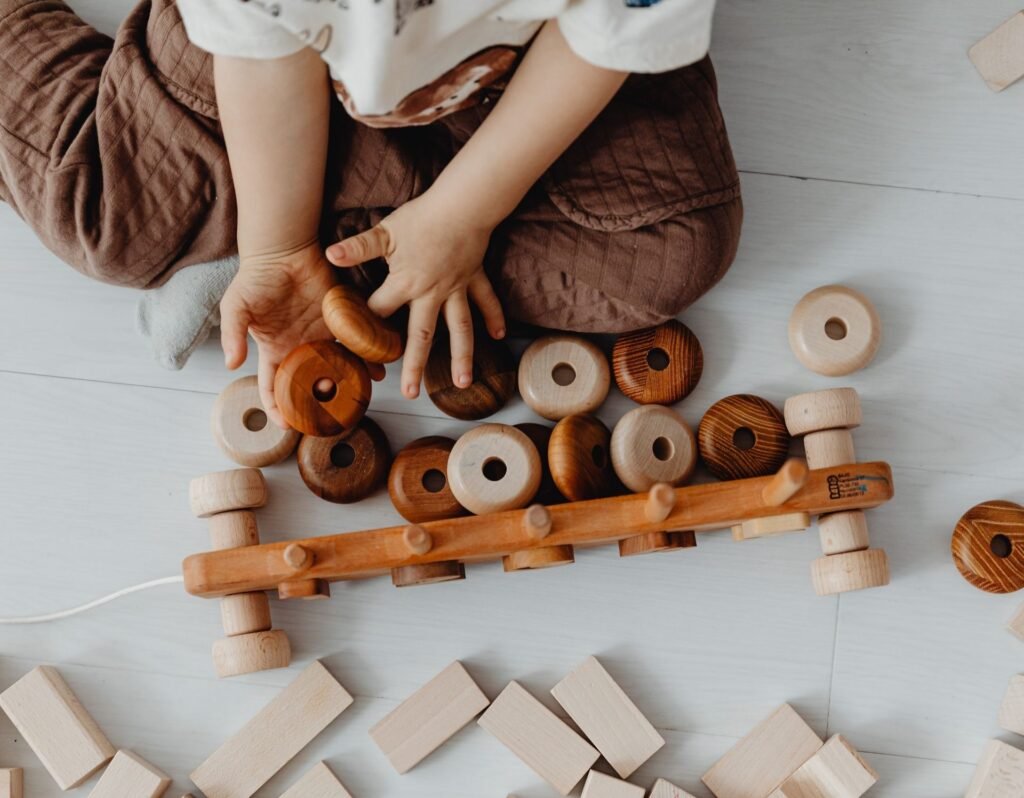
(663, 449)
(744, 439)
(254, 419)
(324, 389)
(434, 481)
(342, 455)
(495, 469)
(1001, 546)
(599, 456)
(563, 374)
(657, 359)
(836, 329)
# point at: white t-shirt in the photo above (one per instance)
(408, 62)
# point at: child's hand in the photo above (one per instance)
(435, 256)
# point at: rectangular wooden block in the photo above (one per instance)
(999, 57)
(835, 771)
(319, 782)
(770, 526)
(427, 718)
(665, 789)
(130, 776)
(765, 758)
(56, 726)
(273, 736)
(1011, 711)
(1016, 623)
(11, 783)
(598, 785)
(608, 717)
(999, 774)
(537, 736)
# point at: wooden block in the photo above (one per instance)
(660, 365)
(319, 782)
(347, 467)
(578, 455)
(999, 774)
(223, 491)
(665, 789)
(242, 429)
(843, 532)
(1015, 626)
(834, 331)
(56, 726)
(533, 733)
(249, 653)
(835, 408)
(321, 388)
(653, 444)
(988, 546)
(244, 613)
(233, 530)
(607, 716)
(418, 481)
(765, 758)
(743, 436)
(358, 328)
(1011, 711)
(999, 57)
(494, 378)
(829, 447)
(855, 570)
(562, 375)
(835, 771)
(273, 736)
(494, 467)
(598, 785)
(429, 717)
(130, 776)
(771, 525)
(12, 783)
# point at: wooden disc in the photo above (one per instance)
(836, 408)
(259, 651)
(656, 541)
(494, 379)
(560, 375)
(418, 481)
(660, 365)
(494, 467)
(743, 436)
(358, 328)
(540, 434)
(834, 330)
(988, 546)
(224, 491)
(348, 467)
(534, 559)
(428, 573)
(242, 429)
(305, 589)
(652, 444)
(579, 458)
(857, 570)
(322, 389)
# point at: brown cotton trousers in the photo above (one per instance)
(112, 152)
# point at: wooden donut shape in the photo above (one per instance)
(322, 389)
(242, 429)
(358, 328)
(836, 408)
(346, 468)
(494, 379)
(743, 436)
(561, 375)
(494, 467)
(653, 444)
(540, 434)
(579, 458)
(659, 365)
(988, 546)
(418, 482)
(834, 330)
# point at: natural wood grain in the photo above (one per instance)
(661, 499)
(319, 782)
(1015, 625)
(540, 434)
(653, 444)
(787, 481)
(543, 557)
(417, 540)
(1011, 711)
(771, 525)
(1000, 772)
(233, 529)
(322, 389)
(358, 328)
(428, 573)
(988, 546)
(494, 467)
(347, 467)
(244, 432)
(830, 447)
(418, 481)
(724, 427)
(834, 408)
(130, 776)
(834, 330)
(999, 57)
(665, 789)
(297, 557)
(855, 570)
(579, 459)
(654, 542)
(494, 379)
(835, 771)
(243, 613)
(304, 589)
(843, 532)
(563, 375)
(598, 785)
(660, 365)
(249, 653)
(537, 521)
(12, 783)
(224, 491)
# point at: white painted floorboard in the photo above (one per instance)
(99, 445)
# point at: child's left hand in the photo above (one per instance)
(435, 257)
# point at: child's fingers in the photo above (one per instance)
(234, 329)
(374, 243)
(460, 332)
(490, 307)
(422, 321)
(265, 376)
(388, 298)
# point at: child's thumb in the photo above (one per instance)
(234, 327)
(358, 249)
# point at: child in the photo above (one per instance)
(498, 149)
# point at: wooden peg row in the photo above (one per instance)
(999, 57)
(829, 447)
(494, 467)
(418, 481)
(835, 408)
(988, 546)
(304, 589)
(653, 444)
(541, 557)
(322, 389)
(494, 379)
(562, 375)
(578, 456)
(417, 540)
(224, 491)
(347, 467)
(427, 573)
(242, 429)
(660, 365)
(786, 483)
(834, 331)
(743, 436)
(855, 570)
(358, 328)
(654, 542)
(843, 532)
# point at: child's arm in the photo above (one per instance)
(435, 244)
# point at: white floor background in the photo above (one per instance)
(873, 155)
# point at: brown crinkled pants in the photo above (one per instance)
(111, 151)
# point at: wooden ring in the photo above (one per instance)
(835, 408)
(358, 328)
(834, 330)
(579, 458)
(225, 491)
(652, 444)
(563, 374)
(988, 546)
(418, 481)
(428, 573)
(494, 379)
(660, 365)
(322, 389)
(258, 651)
(653, 542)
(348, 467)
(743, 436)
(494, 467)
(242, 429)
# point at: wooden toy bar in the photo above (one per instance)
(357, 555)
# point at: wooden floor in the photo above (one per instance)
(872, 154)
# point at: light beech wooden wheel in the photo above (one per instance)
(224, 491)
(305, 589)
(418, 481)
(660, 365)
(834, 330)
(428, 573)
(988, 546)
(494, 378)
(743, 436)
(856, 570)
(652, 444)
(346, 468)
(561, 375)
(494, 467)
(843, 532)
(259, 651)
(242, 429)
(829, 447)
(358, 328)
(836, 408)
(653, 542)
(534, 559)
(243, 613)
(579, 458)
(322, 389)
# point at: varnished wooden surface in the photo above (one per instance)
(348, 467)
(726, 456)
(988, 546)
(494, 379)
(579, 456)
(417, 494)
(303, 402)
(358, 328)
(643, 378)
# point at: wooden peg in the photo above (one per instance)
(304, 589)
(743, 436)
(320, 782)
(829, 447)
(348, 467)
(999, 57)
(243, 613)
(1011, 711)
(856, 570)
(427, 573)
(578, 456)
(12, 783)
(537, 521)
(494, 379)
(836, 408)
(562, 375)
(249, 653)
(770, 526)
(652, 444)
(242, 429)
(843, 532)
(417, 539)
(988, 546)
(494, 467)
(223, 491)
(598, 785)
(999, 774)
(297, 557)
(660, 365)
(661, 499)
(653, 542)
(834, 331)
(130, 776)
(358, 328)
(322, 389)
(233, 529)
(836, 770)
(786, 483)
(535, 559)
(418, 482)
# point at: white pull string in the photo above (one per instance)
(56, 616)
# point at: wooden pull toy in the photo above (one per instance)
(358, 328)
(562, 375)
(743, 436)
(494, 379)
(661, 365)
(322, 389)
(242, 430)
(834, 331)
(348, 467)
(418, 482)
